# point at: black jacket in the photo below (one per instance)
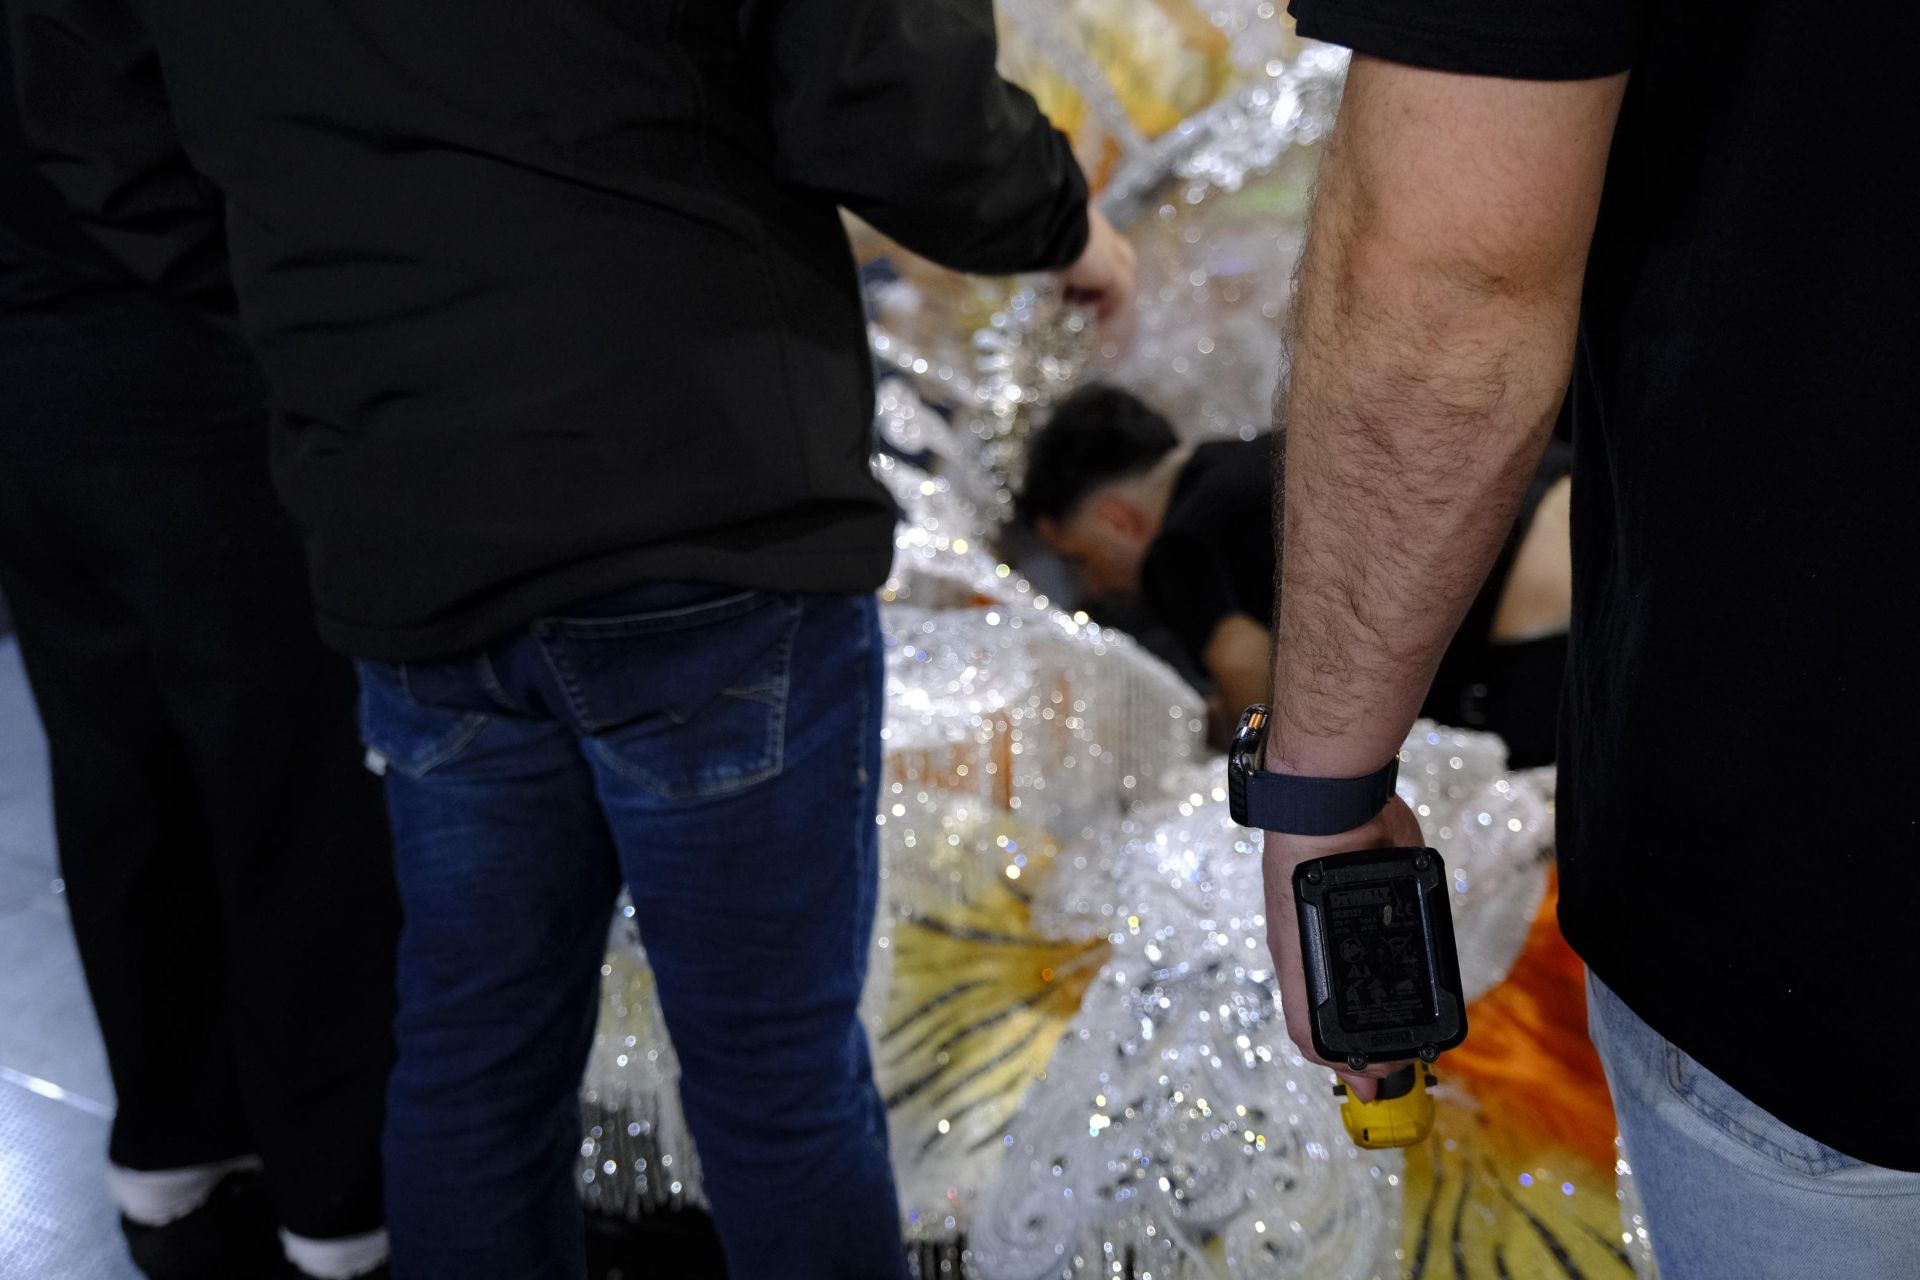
(553, 298)
(93, 360)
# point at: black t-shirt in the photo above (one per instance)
(1738, 842)
(1214, 557)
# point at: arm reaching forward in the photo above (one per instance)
(894, 108)
(1438, 303)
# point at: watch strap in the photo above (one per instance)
(1294, 805)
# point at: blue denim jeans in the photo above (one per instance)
(720, 749)
(1729, 1192)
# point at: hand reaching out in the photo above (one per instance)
(1103, 276)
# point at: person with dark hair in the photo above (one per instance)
(1097, 435)
(576, 407)
(1187, 530)
(226, 860)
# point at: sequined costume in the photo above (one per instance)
(1071, 1007)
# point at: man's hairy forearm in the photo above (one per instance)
(1433, 335)
(1422, 392)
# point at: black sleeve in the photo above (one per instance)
(1186, 589)
(1512, 39)
(894, 109)
(94, 109)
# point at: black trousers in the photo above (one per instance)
(225, 852)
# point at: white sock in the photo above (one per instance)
(156, 1197)
(340, 1259)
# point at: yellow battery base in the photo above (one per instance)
(1400, 1116)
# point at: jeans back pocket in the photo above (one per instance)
(680, 702)
(1728, 1110)
(404, 735)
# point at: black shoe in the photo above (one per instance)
(230, 1237)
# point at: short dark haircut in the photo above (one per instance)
(1097, 434)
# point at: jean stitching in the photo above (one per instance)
(776, 747)
(771, 692)
(490, 681)
(471, 723)
(774, 744)
(563, 677)
(705, 613)
(1738, 1131)
(469, 727)
(650, 781)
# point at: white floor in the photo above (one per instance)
(55, 1097)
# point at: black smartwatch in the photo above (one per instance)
(1293, 805)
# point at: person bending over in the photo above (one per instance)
(1185, 529)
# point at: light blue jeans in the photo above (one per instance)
(1730, 1193)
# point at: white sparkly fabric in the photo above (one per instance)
(637, 1155)
(1174, 1119)
(1215, 206)
(1176, 1114)
(1070, 998)
(1176, 1101)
